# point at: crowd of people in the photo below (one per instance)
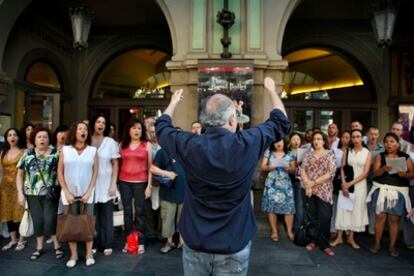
(306, 177)
(374, 194)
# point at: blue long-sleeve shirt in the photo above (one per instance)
(217, 216)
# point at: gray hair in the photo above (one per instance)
(217, 111)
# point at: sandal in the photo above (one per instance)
(37, 254)
(20, 245)
(393, 252)
(274, 237)
(9, 245)
(59, 253)
(375, 248)
(311, 246)
(328, 252)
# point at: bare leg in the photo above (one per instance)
(39, 242)
(339, 238)
(89, 253)
(394, 222)
(56, 243)
(273, 226)
(289, 226)
(379, 229)
(73, 250)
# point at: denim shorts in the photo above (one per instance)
(397, 210)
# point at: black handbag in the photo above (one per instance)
(307, 230)
(348, 172)
(349, 176)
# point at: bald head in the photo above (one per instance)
(218, 111)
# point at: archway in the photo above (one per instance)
(322, 86)
(134, 83)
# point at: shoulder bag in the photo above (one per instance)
(348, 172)
(26, 225)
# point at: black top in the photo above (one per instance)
(392, 179)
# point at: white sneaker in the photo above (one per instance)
(50, 240)
(71, 263)
(94, 251)
(90, 261)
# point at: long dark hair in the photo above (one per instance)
(126, 139)
(22, 132)
(351, 144)
(71, 138)
(340, 139)
(107, 124)
(61, 128)
(272, 147)
(6, 145)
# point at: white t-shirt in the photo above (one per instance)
(107, 151)
(78, 171)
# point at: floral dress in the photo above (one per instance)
(10, 210)
(278, 192)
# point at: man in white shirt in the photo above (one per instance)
(333, 136)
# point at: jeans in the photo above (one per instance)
(300, 211)
(128, 192)
(320, 213)
(104, 213)
(202, 263)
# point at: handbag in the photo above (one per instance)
(163, 180)
(118, 213)
(75, 228)
(52, 192)
(349, 176)
(307, 230)
(348, 172)
(26, 225)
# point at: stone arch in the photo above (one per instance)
(170, 22)
(104, 54)
(44, 55)
(364, 59)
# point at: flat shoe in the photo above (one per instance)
(328, 252)
(393, 252)
(59, 253)
(107, 252)
(90, 261)
(167, 248)
(375, 249)
(9, 245)
(311, 246)
(336, 243)
(37, 254)
(274, 237)
(21, 245)
(354, 245)
(71, 263)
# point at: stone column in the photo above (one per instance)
(4, 81)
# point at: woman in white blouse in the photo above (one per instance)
(105, 188)
(77, 172)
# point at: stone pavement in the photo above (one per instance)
(267, 258)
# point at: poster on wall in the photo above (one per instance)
(405, 117)
(231, 78)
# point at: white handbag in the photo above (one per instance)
(26, 225)
(119, 214)
(118, 218)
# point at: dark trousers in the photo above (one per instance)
(152, 221)
(300, 210)
(128, 192)
(104, 213)
(13, 226)
(320, 214)
(44, 215)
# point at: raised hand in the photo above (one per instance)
(177, 96)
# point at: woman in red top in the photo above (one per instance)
(135, 177)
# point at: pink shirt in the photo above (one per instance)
(134, 164)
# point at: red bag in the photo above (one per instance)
(133, 242)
